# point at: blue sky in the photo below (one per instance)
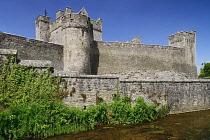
(152, 20)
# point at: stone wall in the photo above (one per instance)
(33, 49)
(84, 90)
(182, 96)
(122, 58)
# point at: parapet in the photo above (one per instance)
(70, 19)
(135, 40)
(182, 39)
(43, 19)
(133, 45)
(192, 32)
(61, 13)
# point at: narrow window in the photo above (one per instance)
(83, 32)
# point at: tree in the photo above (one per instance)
(205, 71)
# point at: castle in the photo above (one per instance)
(85, 52)
(72, 46)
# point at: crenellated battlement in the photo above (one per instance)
(133, 45)
(182, 39)
(73, 20)
(43, 18)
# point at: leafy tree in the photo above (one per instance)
(205, 71)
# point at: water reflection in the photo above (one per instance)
(195, 126)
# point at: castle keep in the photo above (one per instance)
(76, 32)
(72, 45)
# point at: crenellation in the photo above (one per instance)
(68, 10)
(131, 45)
(59, 14)
(155, 46)
(143, 46)
(42, 18)
(166, 47)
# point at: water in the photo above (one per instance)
(190, 126)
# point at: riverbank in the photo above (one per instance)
(192, 125)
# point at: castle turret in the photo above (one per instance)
(186, 40)
(42, 28)
(97, 29)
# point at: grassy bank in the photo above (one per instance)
(30, 107)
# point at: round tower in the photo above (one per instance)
(77, 37)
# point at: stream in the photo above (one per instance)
(189, 126)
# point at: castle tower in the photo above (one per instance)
(97, 29)
(77, 37)
(42, 28)
(186, 40)
(76, 32)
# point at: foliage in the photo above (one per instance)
(23, 84)
(30, 107)
(205, 71)
(121, 111)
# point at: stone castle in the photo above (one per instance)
(72, 46)
(86, 53)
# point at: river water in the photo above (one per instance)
(190, 126)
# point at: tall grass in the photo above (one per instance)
(30, 107)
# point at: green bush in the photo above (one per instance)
(142, 112)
